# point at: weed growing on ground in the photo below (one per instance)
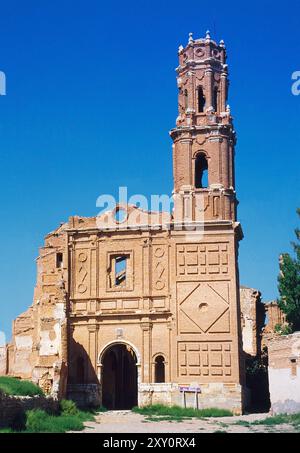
(177, 413)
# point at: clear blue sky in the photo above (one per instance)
(91, 96)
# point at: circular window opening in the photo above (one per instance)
(203, 307)
(120, 215)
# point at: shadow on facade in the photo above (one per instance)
(83, 384)
(119, 378)
(257, 381)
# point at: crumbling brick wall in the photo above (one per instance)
(13, 408)
(253, 319)
(275, 316)
(38, 350)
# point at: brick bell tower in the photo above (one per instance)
(204, 137)
(207, 291)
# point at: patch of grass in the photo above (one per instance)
(38, 421)
(70, 418)
(242, 423)
(269, 421)
(14, 386)
(179, 413)
(219, 431)
(293, 419)
(99, 409)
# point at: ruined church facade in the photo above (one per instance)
(133, 311)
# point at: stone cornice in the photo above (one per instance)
(176, 131)
(209, 63)
(117, 313)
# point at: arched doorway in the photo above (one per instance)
(119, 377)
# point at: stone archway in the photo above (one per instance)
(119, 376)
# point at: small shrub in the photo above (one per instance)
(35, 419)
(68, 407)
(13, 386)
(283, 329)
(286, 330)
(38, 421)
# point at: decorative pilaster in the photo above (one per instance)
(93, 349)
(223, 92)
(147, 355)
(209, 90)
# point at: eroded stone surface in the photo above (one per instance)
(253, 320)
(284, 373)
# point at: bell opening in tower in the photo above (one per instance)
(201, 172)
(201, 100)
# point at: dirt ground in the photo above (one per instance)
(130, 422)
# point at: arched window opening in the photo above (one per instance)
(80, 370)
(215, 99)
(186, 99)
(201, 100)
(159, 369)
(201, 172)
